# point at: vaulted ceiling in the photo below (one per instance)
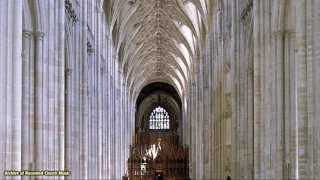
(159, 94)
(157, 40)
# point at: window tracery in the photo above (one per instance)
(159, 119)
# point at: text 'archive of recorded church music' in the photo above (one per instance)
(37, 173)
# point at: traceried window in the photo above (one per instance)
(159, 119)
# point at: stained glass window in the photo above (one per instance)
(159, 119)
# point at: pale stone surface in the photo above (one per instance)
(247, 73)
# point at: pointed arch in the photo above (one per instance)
(159, 119)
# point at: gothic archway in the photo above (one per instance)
(157, 135)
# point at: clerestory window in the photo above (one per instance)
(159, 119)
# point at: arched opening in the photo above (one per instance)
(159, 119)
(157, 135)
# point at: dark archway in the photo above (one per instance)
(157, 126)
(160, 87)
(152, 96)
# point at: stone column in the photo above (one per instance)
(114, 141)
(233, 48)
(94, 117)
(268, 133)
(122, 121)
(279, 103)
(193, 148)
(104, 122)
(206, 111)
(73, 61)
(16, 84)
(52, 89)
(39, 154)
(98, 78)
(68, 121)
(212, 104)
(90, 115)
(302, 119)
(89, 96)
(293, 106)
(100, 120)
(312, 47)
(200, 124)
(126, 130)
(61, 86)
(286, 129)
(84, 95)
(108, 108)
(3, 117)
(116, 116)
(316, 80)
(26, 99)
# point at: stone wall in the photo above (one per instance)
(64, 103)
(256, 115)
